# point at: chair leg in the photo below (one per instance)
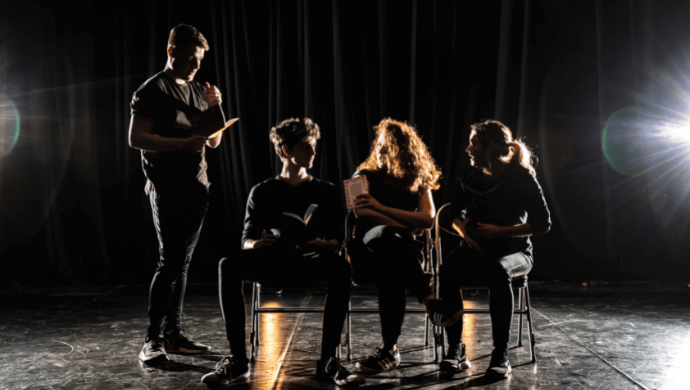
(426, 331)
(529, 323)
(253, 335)
(348, 333)
(521, 306)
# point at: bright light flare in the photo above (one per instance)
(9, 125)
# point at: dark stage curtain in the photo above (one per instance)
(72, 205)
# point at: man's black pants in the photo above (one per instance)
(178, 219)
(464, 265)
(286, 265)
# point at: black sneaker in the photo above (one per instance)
(499, 366)
(381, 361)
(455, 360)
(178, 342)
(334, 372)
(442, 313)
(153, 351)
(227, 370)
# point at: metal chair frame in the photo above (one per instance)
(523, 308)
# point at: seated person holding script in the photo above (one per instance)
(274, 247)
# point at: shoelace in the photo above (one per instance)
(220, 364)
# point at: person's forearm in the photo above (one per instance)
(371, 216)
(332, 245)
(154, 143)
(523, 230)
(412, 220)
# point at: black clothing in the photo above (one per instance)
(389, 256)
(172, 107)
(284, 265)
(178, 222)
(178, 190)
(270, 198)
(267, 201)
(464, 265)
(513, 199)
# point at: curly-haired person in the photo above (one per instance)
(272, 251)
(401, 175)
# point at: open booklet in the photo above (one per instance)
(211, 123)
(354, 187)
(296, 230)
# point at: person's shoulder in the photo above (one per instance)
(157, 81)
(266, 185)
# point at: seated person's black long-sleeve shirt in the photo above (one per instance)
(271, 198)
(514, 198)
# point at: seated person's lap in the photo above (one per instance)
(275, 264)
(471, 267)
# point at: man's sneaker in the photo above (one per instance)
(227, 370)
(442, 313)
(381, 361)
(499, 366)
(153, 351)
(178, 342)
(455, 360)
(333, 371)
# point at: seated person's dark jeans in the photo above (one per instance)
(467, 266)
(283, 265)
(390, 258)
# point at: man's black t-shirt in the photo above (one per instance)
(270, 198)
(171, 106)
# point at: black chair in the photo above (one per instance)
(443, 227)
(430, 269)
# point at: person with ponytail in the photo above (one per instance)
(497, 205)
(401, 175)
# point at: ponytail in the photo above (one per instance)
(522, 155)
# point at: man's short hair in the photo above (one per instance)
(184, 34)
(291, 131)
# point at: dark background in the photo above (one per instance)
(72, 205)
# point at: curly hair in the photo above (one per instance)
(403, 156)
(291, 131)
(184, 34)
(498, 140)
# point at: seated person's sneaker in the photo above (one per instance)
(153, 351)
(178, 342)
(455, 360)
(499, 366)
(334, 372)
(380, 361)
(227, 370)
(442, 313)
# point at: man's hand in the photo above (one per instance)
(213, 95)
(489, 231)
(266, 241)
(194, 144)
(368, 201)
(460, 227)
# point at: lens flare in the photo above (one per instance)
(9, 125)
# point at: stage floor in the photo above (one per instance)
(633, 335)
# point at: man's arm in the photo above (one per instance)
(213, 97)
(140, 137)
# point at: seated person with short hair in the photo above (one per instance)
(273, 249)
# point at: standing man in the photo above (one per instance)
(173, 159)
